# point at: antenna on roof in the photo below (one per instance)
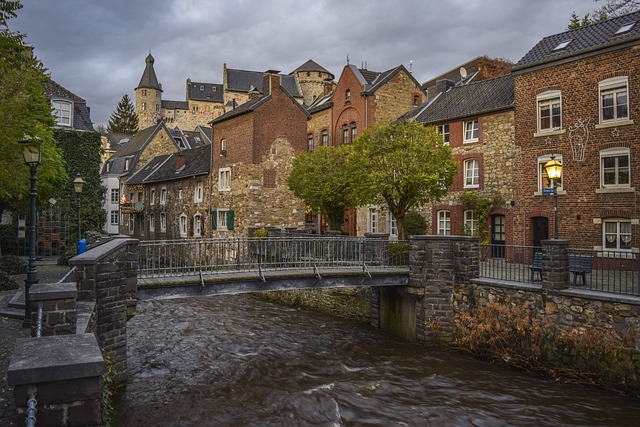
(411, 66)
(347, 59)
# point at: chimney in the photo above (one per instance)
(180, 160)
(270, 80)
(327, 87)
(444, 85)
(253, 93)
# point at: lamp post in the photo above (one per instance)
(32, 158)
(78, 183)
(554, 172)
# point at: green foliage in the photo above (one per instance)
(109, 384)
(260, 233)
(481, 206)
(321, 179)
(399, 253)
(8, 10)
(402, 164)
(12, 265)
(6, 282)
(414, 224)
(609, 9)
(124, 119)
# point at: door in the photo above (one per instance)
(498, 236)
(539, 229)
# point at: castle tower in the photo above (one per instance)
(311, 78)
(148, 96)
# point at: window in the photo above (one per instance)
(372, 222)
(562, 45)
(470, 223)
(144, 92)
(163, 196)
(163, 222)
(310, 142)
(115, 195)
(152, 197)
(543, 178)
(616, 234)
(625, 28)
(180, 194)
(416, 99)
(347, 96)
(62, 112)
(223, 220)
(224, 179)
(444, 131)
(183, 225)
(197, 225)
(471, 131)
(114, 218)
(471, 173)
(354, 131)
(127, 163)
(198, 193)
(614, 99)
(325, 138)
(392, 224)
(223, 147)
(131, 223)
(152, 223)
(345, 133)
(444, 223)
(144, 106)
(614, 168)
(549, 111)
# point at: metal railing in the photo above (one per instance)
(233, 255)
(508, 263)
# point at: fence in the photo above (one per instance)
(195, 256)
(598, 270)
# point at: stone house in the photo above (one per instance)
(253, 148)
(70, 111)
(574, 101)
(312, 78)
(124, 204)
(176, 191)
(477, 121)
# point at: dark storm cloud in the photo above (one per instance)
(97, 48)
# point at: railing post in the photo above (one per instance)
(555, 264)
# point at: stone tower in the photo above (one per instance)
(311, 78)
(148, 96)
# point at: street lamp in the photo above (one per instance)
(78, 183)
(32, 158)
(554, 172)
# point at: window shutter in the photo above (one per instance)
(214, 220)
(230, 220)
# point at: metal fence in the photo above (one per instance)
(212, 256)
(598, 270)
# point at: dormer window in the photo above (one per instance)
(625, 28)
(347, 96)
(562, 45)
(62, 112)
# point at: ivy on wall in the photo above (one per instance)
(481, 206)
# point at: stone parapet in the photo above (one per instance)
(58, 302)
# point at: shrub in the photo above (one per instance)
(6, 282)
(414, 224)
(398, 253)
(12, 265)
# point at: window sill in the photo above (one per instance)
(549, 133)
(616, 253)
(224, 190)
(560, 193)
(614, 124)
(471, 187)
(613, 190)
(470, 141)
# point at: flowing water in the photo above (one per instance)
(239, 361)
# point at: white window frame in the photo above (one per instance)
(197, 225)
(392, 225)
(183, 225)
(618, 234)
(114, 215)
(63, 112)
(152, 197)
(198, 192)
(115, 195)
(163, 196)
(224, 179)
(613, 86)
(372, 219)
(471, 173)
(132, 223)
(325, 138)
(163, 222)
(546, 99)
(470, 222)
(152, 223)
(354, 131)
(615, 153)
(444, 223)
(471, 127)
(221, 220)
(542, 173)
(310, 142)
(345, 134)
(444, 131)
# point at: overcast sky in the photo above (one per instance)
(96, 48)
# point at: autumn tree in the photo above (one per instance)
(124, 119)
(609, 9)
(403, 164)
(320, 178)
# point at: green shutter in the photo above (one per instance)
(230, 220)
(214, 220)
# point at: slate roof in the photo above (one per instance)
(373, 80)
(248, 106)
(311, 65)
(584, 41)
(149, 79)
(162, 168)
(116, 139)
(206, 132)
(190, 139)
(482, 97)
(175, 105)
(211, 92)
(81, 113)
(244, 80)
(321, 103)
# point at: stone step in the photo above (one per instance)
(17, 301)
(12, 313)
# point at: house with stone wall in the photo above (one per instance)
(253, 149)
(477, 121)
(574, 98)
(176, 191)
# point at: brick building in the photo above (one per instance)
(477, 121)
(574, 99)
(253, 148)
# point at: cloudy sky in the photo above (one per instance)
(97, 48)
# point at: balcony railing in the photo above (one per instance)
(129, 206)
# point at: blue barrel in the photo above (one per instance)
(82, 246)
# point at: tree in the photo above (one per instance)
(124, 119)
(402, 164)
(320, 178)
(610, 9)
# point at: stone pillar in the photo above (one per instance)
(58, 301)
(555, 264)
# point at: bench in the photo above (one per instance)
(580, 265)
(536, 266)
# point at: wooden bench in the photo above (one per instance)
(580, 265)
(536, 266)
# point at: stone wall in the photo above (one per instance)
(396, 97)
